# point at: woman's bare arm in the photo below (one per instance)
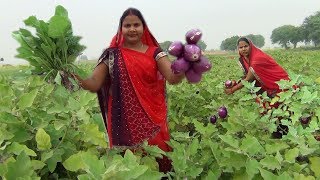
(94, 83)
(249, 77)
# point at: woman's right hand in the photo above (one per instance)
(95, 82)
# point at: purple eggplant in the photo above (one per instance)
(192, 76)
(180, 65)
(192, 52)
(201, 66)
(176, 48)
(193, 36)
(222, 112)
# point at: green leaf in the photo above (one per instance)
(93, 165)
(56, 157)
(270, 162)
(308, 97)
(150, 162)
(151, 175)
(21, 168)
(46, 155)
(252, 167)
(251, 145)
(36, 164)
(315, 164)
(61, 11)
(17, 148)
(43, 140)
(91, 133)
(291, 155)
(230, 140)
(74, 162)
(267, 175)
(4, 133)
(275, 147)
(26, 100)
(58, 26)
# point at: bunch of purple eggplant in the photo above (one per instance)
(190, 59)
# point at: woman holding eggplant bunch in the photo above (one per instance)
(130, 80)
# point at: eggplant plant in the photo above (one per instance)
(52, 49)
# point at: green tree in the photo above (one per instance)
(202, 45)
(229, 44)
(257, 40)
(286, 34)
(311, 29)
(297, 36)
(165, 45)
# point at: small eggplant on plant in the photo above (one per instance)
(213, 119)
(222, 112)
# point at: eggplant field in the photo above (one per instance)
(50, 132)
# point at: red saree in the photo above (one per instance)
(265, 70)
(136, 110)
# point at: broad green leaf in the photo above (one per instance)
(4, 133)
(32, 21)
(83, 115)
(85, 177)
(194, 171)
(317, 80)
(17, 148)
(270, 162)
(291, 155)
(252, 167)
(275, 147)
(61, 11)
(5, 91)
(43, 140)
(308, 97)
(86, 97)
(26, 100)
(73, 104)
(20, 169)
(230, 140)
(93, 165)
(303, 177)
(235, 160)
(151, 175)
(150, 162)
(267, 175)
(315, 164)
(251, 145)
(193, 147)
(74, 162)
(36, 164)
(46, 155)
(56, 157)
(90, 133)
(58, 26)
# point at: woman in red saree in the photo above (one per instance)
(130, 80)
(259, 66)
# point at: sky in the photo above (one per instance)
(96, 21)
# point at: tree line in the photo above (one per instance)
(285, 36)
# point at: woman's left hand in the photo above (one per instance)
(228, 91)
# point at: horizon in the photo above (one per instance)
(96, 22)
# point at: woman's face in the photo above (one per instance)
(132, 29)
(244, 48)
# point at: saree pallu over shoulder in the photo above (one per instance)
(131, 119)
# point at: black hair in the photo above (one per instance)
(243, 39)
(132, 11)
